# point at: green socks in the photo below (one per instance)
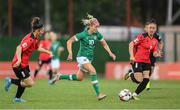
(94, 81)
(68, 76)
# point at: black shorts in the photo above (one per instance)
(42, 62)
(22, 73)
(140, 67)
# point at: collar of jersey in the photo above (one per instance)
(32, 36)
(89, 33)
(146, 35)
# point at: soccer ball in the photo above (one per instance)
(125, 95)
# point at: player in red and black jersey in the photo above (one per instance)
(44, 58)
(140, 59)
(20, 61)
(152, 58)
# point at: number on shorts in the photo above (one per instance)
(22, 72)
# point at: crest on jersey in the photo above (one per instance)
(136, 40)
(24, 45)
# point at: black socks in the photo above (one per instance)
(16, 81)
(142, 85)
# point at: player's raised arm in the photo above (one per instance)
(45, 50)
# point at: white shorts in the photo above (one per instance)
(55, 63)
(81, 61)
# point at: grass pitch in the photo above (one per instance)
(80, 95)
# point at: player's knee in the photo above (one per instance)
(139, 80)
(135, 80)
(146, 76)
(92, 71)
(30, 84)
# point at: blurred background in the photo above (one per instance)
(121, 21)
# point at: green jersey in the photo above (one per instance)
(88, 43)
(54, 48)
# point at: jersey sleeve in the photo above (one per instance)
(25, 44)
(158, 37)
(137, 40)
(100, 36)
(79, 36)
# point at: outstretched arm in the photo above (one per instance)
(106, 47)
(69, 47)
(44, 50)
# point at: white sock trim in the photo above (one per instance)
(70, 77)
(134, 94)
(94, 82)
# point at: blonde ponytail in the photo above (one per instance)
(88, 20)
(89, 16)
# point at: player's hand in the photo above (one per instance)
(70, 57)
(51, 54)
(113, 56)
(17, 63)
(132, 60)
(158, 54)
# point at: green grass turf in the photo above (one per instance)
(80, 95)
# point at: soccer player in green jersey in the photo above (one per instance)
(88, 39)
(56, 49)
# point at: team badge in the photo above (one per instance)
(24, 45)
(136, 40)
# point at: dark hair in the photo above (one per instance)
(152, 20)
(36, 24)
